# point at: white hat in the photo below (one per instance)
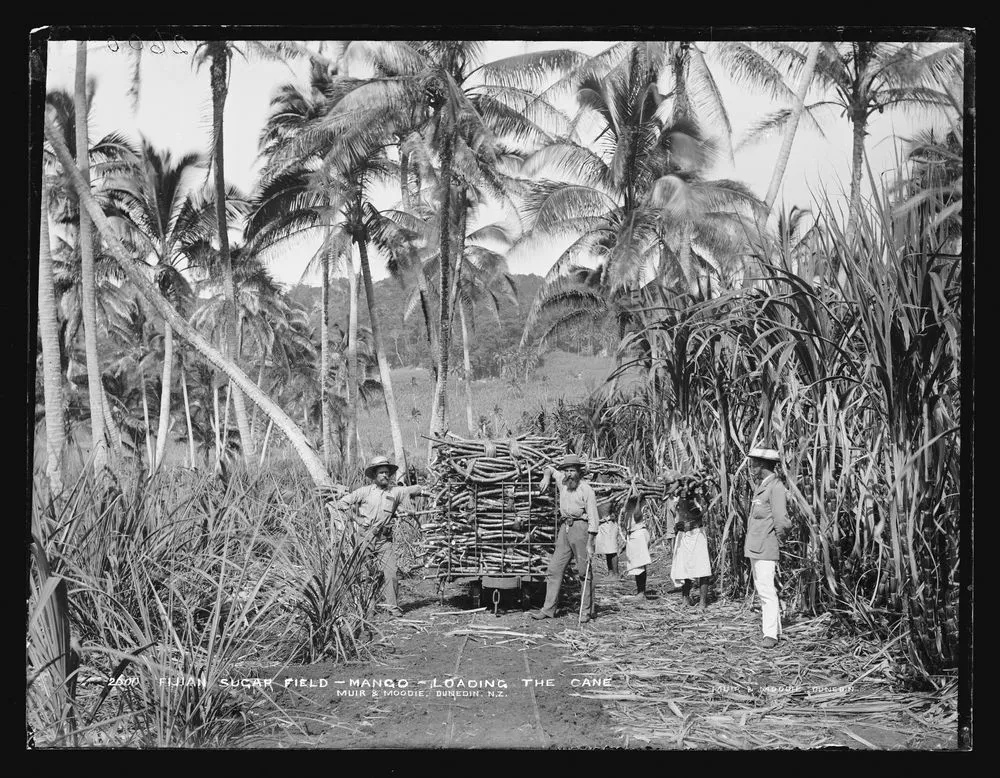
(765, 453)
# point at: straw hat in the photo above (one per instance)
(765, 453)
(375, 463)
(572, 460)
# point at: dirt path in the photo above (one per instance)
(653, 673)
(444, 679)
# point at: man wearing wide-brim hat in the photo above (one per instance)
(575, 537)
(768, 520)
(375, 507)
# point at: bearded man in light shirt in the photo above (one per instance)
(575, 537)
(374, 506)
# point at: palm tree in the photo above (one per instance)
(171, 222)
(786, 144)
(137, 350)
(483, 270)
(862, 77)
(635, 201)
(685, 70)
(151, 294)
(262, 309)
(937, 169)
(218, 54)
(106, 157)
(87, 266)
(463, 112)
(48, 330)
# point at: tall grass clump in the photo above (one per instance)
(147, 601)
(844, 353)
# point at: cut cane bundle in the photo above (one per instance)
(488, 514)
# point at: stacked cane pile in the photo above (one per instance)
(488, 514)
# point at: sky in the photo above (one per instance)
(175, 109)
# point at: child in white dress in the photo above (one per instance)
(636, 545)
(690, 562)
(607, 537)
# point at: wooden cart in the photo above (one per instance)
(514, 537)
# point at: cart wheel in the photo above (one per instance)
(476, 593)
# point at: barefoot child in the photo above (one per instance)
(607, 537)
(690, 563)
(636, 545)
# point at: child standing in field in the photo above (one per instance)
(636, 545)
(607, 537)
(690, 563)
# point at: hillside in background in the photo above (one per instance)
(406, 340)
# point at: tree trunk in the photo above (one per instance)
(111, 429)
(324, 355)
(216, 423)
(88, 278)
(383, 362)
(439, 417)
(163, 428)
(404, 176)
(187, 416)
(679, 66)
(48, 331)
(225, 422)
(352, 360)
(467, 364)
(145, 417)
(793, 123)
(461, 206)
(267, 437)
(218, 73)
(860, 125)
(260, 383)
(684, 254)
(416, 265)
(312, 463)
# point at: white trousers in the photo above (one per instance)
(763, 581)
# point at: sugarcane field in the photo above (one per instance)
(514, 393)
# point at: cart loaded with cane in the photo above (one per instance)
(490, 526)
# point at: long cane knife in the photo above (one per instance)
(583, 593)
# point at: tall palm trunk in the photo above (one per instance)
(467, 364)
(352, 360)
(112, 430)
(88, 281)
(145, 417)
(679, 65)
(165, 390)
(218, 72)
(383, 362)
(460, 206)
(684, 252)
(216, 423)
(860, 129)
(439, 415)
(48, 330)
(187, 415)
(421, 279)
(312, 463)
(793, 123)
(260, 382)
(324, 356)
